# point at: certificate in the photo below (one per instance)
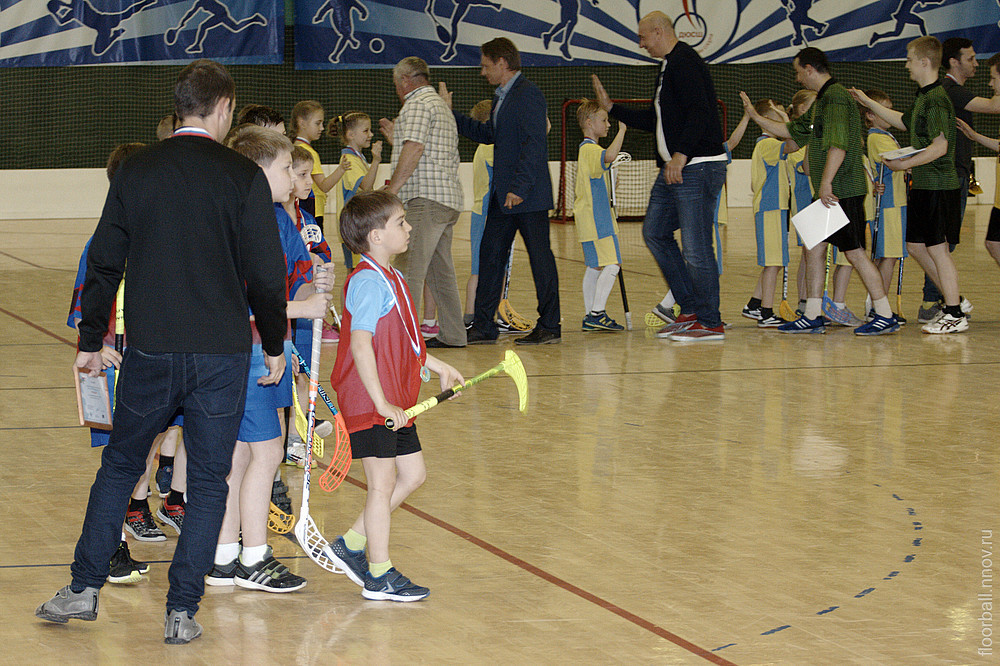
(92, 399)
(815, 223)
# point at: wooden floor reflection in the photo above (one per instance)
(769, 499)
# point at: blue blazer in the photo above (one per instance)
(520, 151)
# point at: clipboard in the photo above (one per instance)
(815, 223)
(93, 400)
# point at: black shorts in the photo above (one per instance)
(380, 442)
(932, 217)
(993, 232)
(852, 235)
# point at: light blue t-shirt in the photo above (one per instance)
(368, 299)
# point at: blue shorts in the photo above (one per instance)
(259, 425)
(478, 225)
(271, 397)
(302, 334)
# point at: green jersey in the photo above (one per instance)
(835, 122)
(931, 115)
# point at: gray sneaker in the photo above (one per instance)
(69, 605)
(927, 315)
(180, 628)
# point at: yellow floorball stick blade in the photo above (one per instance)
(512, 317)
(515, 370)
(786, 312)
(302, 425)
(278, 521)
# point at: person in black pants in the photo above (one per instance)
(522, 193)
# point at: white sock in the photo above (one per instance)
(251, 555)
(668, 301)
(605, 283)
(814, 307)
(882, 308)
(589, 288)
(430, 322)
(123, 536)
(226, 552)
(277, 474)
(840, 305)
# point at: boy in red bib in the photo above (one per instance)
(381, 359)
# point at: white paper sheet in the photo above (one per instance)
(815, 223)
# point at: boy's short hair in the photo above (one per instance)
(994, 61)
(258, 143)
(339, 126)
(799, 99)
(165, 128)
(199, 88)
(258, 114)
(300, 155)
(301, 110)
(877, 95)
(364, 212)
(926, 47)
(763, 106)
(587, 108)
(814, 58)
(119, 154)
(481, 111)
(501, 47)
(952, 48)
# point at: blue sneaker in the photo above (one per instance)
(804, 325)
(600, 321)
(392, 586)
(353, 562)
(164, 475)
(878, 326)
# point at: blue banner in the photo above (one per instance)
(93, 32)
(379, 33)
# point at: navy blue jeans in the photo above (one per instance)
(693, 274)
(151, 387)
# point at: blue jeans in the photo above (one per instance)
(690, 206)
(212, 390)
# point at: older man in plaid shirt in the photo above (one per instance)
(425, 176)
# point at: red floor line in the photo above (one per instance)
(38, 328)
(559, 582)
(25, 261)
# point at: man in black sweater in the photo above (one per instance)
(685, 120)
(195, 225)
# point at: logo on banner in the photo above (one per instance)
(449, 35)
(218, 15)
(340, 13)
(106, 24)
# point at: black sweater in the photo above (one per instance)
(688, 105)
(196, 224)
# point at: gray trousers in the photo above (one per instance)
(428, 259)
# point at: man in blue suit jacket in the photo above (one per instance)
(522, 193)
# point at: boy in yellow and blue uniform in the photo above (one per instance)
(596, 224)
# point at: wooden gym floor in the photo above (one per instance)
(769, 499)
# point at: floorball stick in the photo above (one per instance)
(340, 461)
(507, 313)
(511, 365)
(785, 310)
(621, 285)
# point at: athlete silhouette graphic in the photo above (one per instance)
(107, 24)
(218, 15)
(450, 37)
(342, 22)
(906, 14)
(569, 15)
(798, 14)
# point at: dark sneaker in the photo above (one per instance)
(927, 315)
(805, 325)
(268, 575)
(751, 313)
(392, 586)
(69, 605)
(179, 627)
(222, 575)
(164, 476)
(878, 326)
(172, 514)
(123, 568)
(773, 321)
(353, 562)
(139, 523)
(539, 336)
(600, 321)
(279, 497)
(665, 315)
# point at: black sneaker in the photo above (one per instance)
(268, 575)
(279, 496)
(172, 514)
(353, 562)
(392, 586)
(123, 568)
(139, 523)
(222, 575)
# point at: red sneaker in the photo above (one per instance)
(330, 332)
(684, 321)
(699, 333)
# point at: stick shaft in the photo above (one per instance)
(621, 286)
(429, 403)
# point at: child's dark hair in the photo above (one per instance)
(119, 154)
(994, 61)
(300, 111)
(165, 128)
(587, 108)
(258, 143)
(258, 114)
(300, 155)
(339, 126)
(364, 212)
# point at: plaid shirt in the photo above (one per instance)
(427, 120)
